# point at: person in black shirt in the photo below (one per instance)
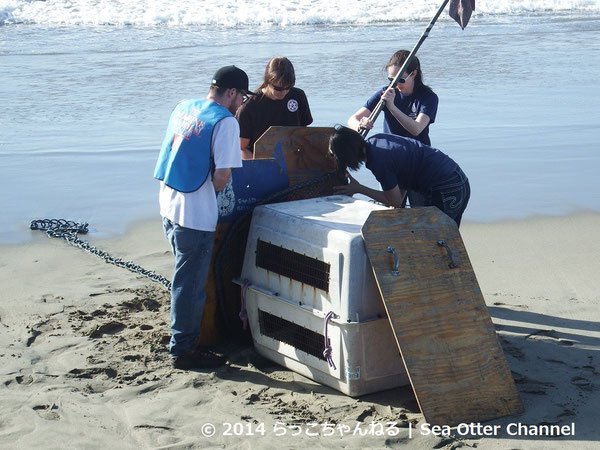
(277, 103)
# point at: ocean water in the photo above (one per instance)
(87, 86)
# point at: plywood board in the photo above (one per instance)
(305, 150)
(444, 332)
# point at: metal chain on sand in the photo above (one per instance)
(68, 230)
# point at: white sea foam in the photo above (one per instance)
(229, 13)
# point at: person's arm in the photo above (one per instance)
(226, 153)
(221, 178)
(360, 120)
(246, 152)
(244, 143)
(413, 126)
(393, 197)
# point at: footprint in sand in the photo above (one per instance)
(529, 386)
(50, 298)
(39, 328)
(33, 336)
(47, 412)
(107, 328)
(512, 349)
(549, 334)
(24, 380)
(20, 379)
(582, 383)
(92, 372)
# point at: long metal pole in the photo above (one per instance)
(373, 117)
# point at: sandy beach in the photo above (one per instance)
(85, 364)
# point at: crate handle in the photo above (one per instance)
(392, 250)
(442, 243)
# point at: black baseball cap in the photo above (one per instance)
(231, 77)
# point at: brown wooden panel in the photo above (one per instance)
(444, 332)
(211, 332)
(305, 150)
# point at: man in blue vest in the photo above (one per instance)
(201, 146)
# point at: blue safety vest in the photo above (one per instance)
(184, 162)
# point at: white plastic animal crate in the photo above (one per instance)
(306, 262)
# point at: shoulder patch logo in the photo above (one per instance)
(292, 105)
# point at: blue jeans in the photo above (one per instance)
(193, 251)
(451, 195)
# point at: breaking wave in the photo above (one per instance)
(233, 13)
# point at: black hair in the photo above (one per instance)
(348, 147)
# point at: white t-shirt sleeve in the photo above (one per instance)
(198, 209)
(226, 144)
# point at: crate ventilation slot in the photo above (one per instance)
(289, 333)
(293, 265)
